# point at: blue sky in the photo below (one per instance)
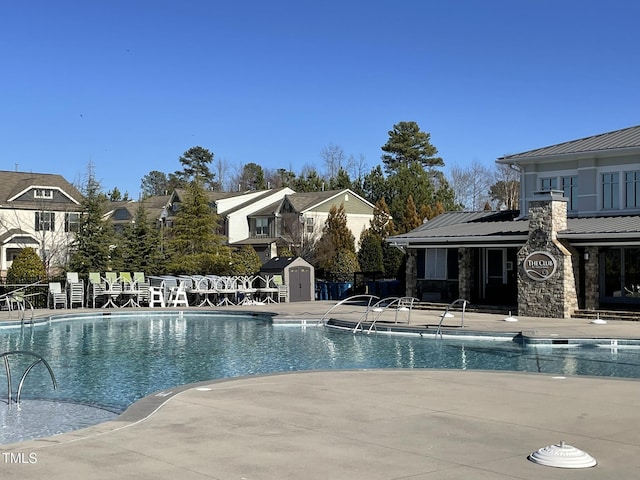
(130, 85)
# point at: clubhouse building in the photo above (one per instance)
(574, 244)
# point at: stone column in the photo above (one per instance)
(465, 273)
(411, 270)
(591, 279)
(546, 280)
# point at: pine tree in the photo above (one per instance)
(94, 240)
(193, 244)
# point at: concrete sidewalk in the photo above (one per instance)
(380, 424)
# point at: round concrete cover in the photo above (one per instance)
(562, 456)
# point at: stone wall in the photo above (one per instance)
(411, 271)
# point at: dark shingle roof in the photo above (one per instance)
(12, 183)
(626, 138)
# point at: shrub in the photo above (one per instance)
(27, 267)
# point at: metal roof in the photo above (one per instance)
(484, 230)
(626, 138)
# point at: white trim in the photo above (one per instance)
(42, 187)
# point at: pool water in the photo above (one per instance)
(111, 361)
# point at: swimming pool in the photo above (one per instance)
(112, 361)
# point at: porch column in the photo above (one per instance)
(465, 272)
(411, 271)
(591, 280)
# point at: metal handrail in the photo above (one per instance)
(464, 307)
(7, 367)
(369, 298)
(21, 299)
(400, 302)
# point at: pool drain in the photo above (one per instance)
(562, 456)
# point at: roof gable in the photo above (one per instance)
(19, 187)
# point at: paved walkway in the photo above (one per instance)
(387, 424)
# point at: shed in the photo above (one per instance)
(296, 273)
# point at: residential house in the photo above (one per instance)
(37, 210)
(298, 219)
(575, 243)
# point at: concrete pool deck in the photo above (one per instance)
(375, 424)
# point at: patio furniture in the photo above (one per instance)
(178, 296)
(113, 289)
(142, 285)
(129, 289)
(75, 288)
(57, 296)
(96, 287)
(156, 297)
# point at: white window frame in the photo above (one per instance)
(262, 227)
(43, 193)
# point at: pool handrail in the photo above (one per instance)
(7, 367)
(399, 302)
(369, 298)
(20, 299)
(443, 316)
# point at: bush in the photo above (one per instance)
(245, 261)
(342, 266)
(27, 267)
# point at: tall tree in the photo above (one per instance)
(340, 181)
(196, 166)
(94, 239)
(506, 188)
(370, 254)
(408, 144)
(374, 185)
(471, 185)
(141, 246)
(336, 236)
(252, 177)
(193, 244)
(410, 218)
(154, 183)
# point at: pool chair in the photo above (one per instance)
(142, 284)
(129, 290)
(95, 288)
(75, 289)
(57, 296)
(113, 289)
(178, 296)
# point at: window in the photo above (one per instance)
(310, 224)
(610, 190)
(632, 189)
(550, 183)
(71, 222)
(43, 193)
(45, 221)
(436, 264)
(262, 227)
(570, 189)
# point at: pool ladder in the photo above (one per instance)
(39, 359)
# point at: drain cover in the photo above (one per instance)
(562, 456)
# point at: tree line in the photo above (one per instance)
(407, 188)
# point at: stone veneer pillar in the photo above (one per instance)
(411, 271)
(465, 273)
(591, 279)
(553, 295)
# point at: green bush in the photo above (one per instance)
(245, 261)
(27, 267)
(343, 265)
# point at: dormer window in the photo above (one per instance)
(43, 193)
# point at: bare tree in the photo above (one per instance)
(222, 174)
(505, 190)
(471, 185)
(334, 159)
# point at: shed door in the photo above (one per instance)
(299, 284)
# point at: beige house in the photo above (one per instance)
(37, 210)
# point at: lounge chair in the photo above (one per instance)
(96, 287)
